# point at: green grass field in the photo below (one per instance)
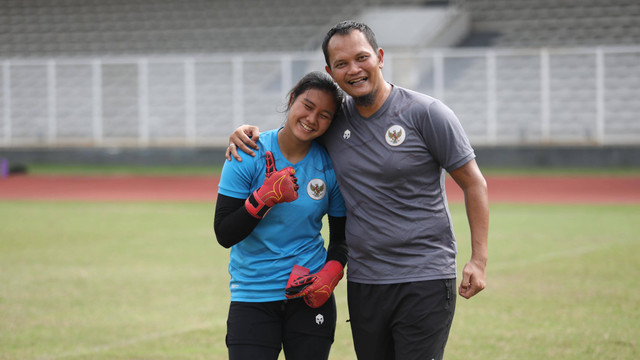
(148, 281)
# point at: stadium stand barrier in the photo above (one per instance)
(502, 96)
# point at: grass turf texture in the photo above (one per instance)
(148, 281)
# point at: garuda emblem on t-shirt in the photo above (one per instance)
(395, 135)
(316, 189)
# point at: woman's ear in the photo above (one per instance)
(291, 99)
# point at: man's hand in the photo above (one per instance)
(279, 186)
(242, 138)
(316, 288)
(473, 279)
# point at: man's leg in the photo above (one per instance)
(423, 319)
(369, 313)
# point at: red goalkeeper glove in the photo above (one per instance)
(315, 288)
(279, 186)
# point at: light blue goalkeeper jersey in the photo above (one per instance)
(289, 234)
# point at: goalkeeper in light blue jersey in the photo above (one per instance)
(269, 212)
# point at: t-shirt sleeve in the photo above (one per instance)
(236, 179)
(445, 137)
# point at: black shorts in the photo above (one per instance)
(401, 321)
(259, 330)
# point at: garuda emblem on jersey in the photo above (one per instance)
(316, 189)
(395, 135)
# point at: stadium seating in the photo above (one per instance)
(93, 27)
(524, 23)
(143, 27)
(63, 46)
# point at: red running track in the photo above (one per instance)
(502, 189)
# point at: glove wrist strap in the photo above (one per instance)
(255, 206)
(336, 270)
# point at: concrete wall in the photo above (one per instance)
(516, 156)
(559, 156)
(115, 156)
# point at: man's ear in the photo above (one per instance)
(380, 58)
(328, 69)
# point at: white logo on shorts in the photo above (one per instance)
(347, 134)
(319, 319)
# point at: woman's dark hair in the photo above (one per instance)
(320, 81)
(345, 28)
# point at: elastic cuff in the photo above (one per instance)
(256, 207)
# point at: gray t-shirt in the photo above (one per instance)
(390, 171)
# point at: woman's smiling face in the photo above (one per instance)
(310, 114)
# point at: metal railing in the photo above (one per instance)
(502, 96)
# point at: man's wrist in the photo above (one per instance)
(480, 260)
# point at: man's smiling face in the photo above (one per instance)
(355, 66)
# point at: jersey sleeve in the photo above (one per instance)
(445, 137)
(236, 179)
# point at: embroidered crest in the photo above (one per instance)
(395, 135)
(316, 189)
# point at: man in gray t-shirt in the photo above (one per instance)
(390, 148)
(389, 168)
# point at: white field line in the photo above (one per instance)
(122, 344)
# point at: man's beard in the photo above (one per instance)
(366, 100)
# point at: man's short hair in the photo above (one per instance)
(345, 28)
